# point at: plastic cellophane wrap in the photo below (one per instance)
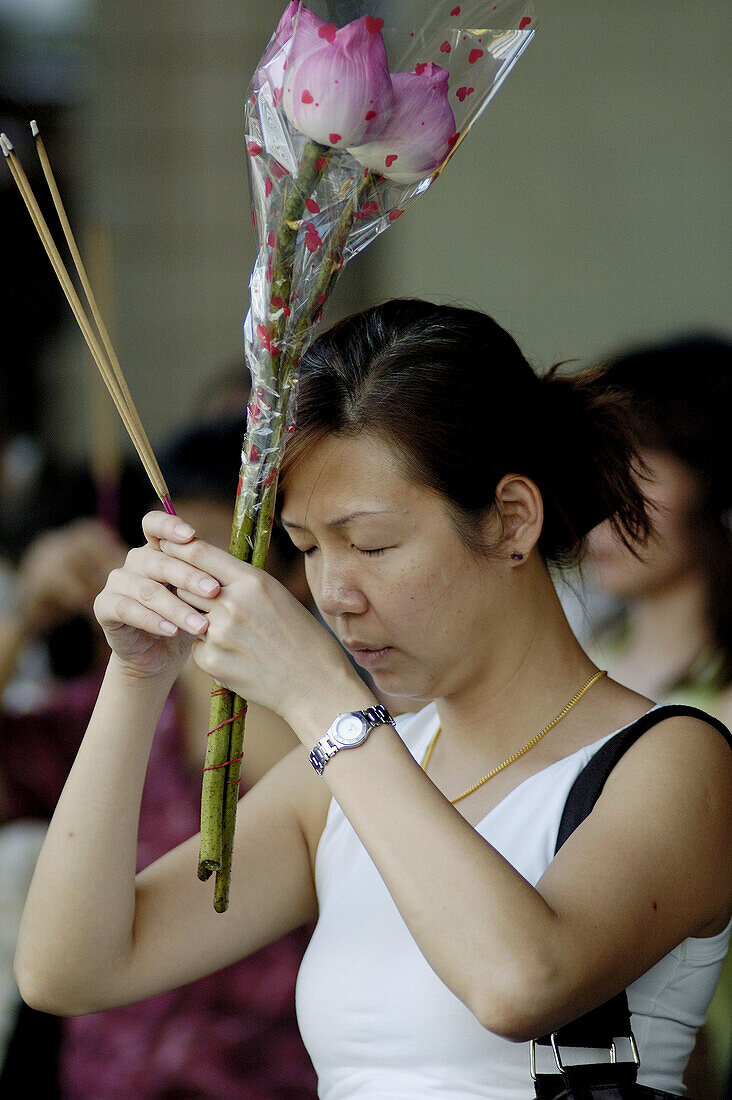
(330, 169)
(343, 211)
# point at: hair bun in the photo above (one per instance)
(591, 450)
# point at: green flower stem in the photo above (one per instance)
(249, 542)
(333, 259)
(214, 779)
(329, 269)
(252, 525)
(314, 162)
(230, 803)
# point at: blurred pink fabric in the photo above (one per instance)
(231, 1036)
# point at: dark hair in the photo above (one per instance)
(452, 392)
(679, 396)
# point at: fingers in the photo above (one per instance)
(210, 559)
(149, 562)
(177, 539)
(159, 525)
(131, 599)
(146, 593)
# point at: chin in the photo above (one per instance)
(401, 689)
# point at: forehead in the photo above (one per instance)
(343, 475)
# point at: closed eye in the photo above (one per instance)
(368, 553)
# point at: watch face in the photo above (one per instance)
(350, 729)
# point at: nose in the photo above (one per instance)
(336, 592)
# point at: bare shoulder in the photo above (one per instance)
(678, 752)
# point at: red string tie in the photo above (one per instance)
(213, 767)
(227, 722)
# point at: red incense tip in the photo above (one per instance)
(168, 506)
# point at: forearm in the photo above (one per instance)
(482, 927)
(79, 917)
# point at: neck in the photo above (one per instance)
(528, 675)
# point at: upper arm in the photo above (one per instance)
(649, 867)
(177, 935)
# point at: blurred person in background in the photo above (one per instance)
(38, 492)
(234, 1035)
(50, 663)
(670, 634)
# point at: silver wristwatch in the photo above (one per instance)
(346, 732)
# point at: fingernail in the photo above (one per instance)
(208, 586)
(184, 531)
(196, 622)
(168, 628)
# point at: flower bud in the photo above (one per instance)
(417, 137)
(295, 36)
(340, 93)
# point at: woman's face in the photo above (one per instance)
(388, 570)
(670, 554)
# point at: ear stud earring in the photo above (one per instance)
(515, 556)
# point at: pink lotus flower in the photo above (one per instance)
(340, 93)
(420, 131)
(295, 36)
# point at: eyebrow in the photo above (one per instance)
(343, 520)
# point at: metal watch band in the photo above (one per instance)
(322, 753)
(327, 746)
(377, 716)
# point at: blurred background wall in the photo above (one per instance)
(587, 209)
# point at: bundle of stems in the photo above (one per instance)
(255, 506)
(98, 342)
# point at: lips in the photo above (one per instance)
(368, 656)
(360, 647)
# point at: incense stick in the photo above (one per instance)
(89, 293)
(121, 397)
(105, 454)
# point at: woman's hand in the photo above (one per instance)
(261, 642)
(150, 628)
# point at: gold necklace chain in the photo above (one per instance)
(529, 744)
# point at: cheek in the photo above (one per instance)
(606, 551)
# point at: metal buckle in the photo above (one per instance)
(558, 1056)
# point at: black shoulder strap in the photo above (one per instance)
(612, 1019)
(589, 783)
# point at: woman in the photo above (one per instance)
(432, 478)
(670, 636)
(677, 594)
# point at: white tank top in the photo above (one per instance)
(380, 1025)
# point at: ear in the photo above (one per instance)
(521, 509)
